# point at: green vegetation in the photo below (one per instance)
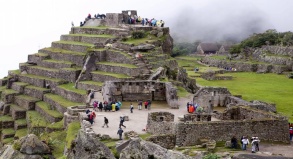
(46, 107)
(28, 98)
(271, 37)
(41, 54)
(37, 88)
(20, 121)
(20, 133)
(181, 92)
(144, 136)
(58, 61)
(9, 91)
(8, 140)
(16, 72)
(270, 88)
(211, 156)
(118, 64)
(70, 87)
(74, 43)
(147, 38)
(183, 48)
(57, 50)
(94, 35)
(45, 68)
(16, 107)
(61, 101)
(92, 83)
(21, 83)
(8, 131)
(72, 131)
(122, 53)
(56, 142)
(5, 118)
(138, 34)
(116, 75)
(57, 125)
(44, 78)
(35, 119)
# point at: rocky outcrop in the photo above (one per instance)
(140, 149)
(31, 145)
(88, 146)
(7, 152)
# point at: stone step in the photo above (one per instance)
(20, 124)
(97, 30)
(3, 81)
(72, 46)
(59, 103)
(68, 74)
(26, 101)
(56, 64)
(77, 58)
(8, 95)
(68, 91)
(17, 112)
(88, 85)
(6, 122)
(40, 81)
(36, 92)
(37, 57)
(7, 133)
(19, 86)
(100, 76)
(128, 69)
(87, 38)
(50, 115)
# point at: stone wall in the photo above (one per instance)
(84, 39)
(72, 96)
(119, 69)
(188, 83)
(115, 56)
(159, 123)
(171, 95)
(103, 78)
(188, 134)
(167, 140)
(35, 58)
(71, 47)
(37, 93)
(217, 96)
(56, 65)
(197, 117)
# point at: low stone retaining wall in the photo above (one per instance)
(72, 96)
(103, 78)
(55, 105)
(36, 58)
(69, 119)
(84, 39)
(3, 82)
(35, 92)
(69, 75)
(6, 124)
(55, 65)
(119, 69)
(115, 56)
(27, 104)
(76, 59)
(48, 117)
(16, 126)
(71, 47)
(8, 98)
(84, 30)
(167, 141)
(85, 86)
(17, 114)
(33, 81)
(18, 88)
(42, 72)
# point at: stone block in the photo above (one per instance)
(17, 112)
(70, 95)
(26, 102)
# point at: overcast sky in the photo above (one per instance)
(29, 25)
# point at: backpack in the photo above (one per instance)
(291, 131)
(92, 95)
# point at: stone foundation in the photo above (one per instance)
(167, 141)
(72, 96)
(119, 69)
(71, 47)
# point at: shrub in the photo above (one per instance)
(138, 34)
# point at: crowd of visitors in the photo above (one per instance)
(89, 16)
(192, 108)
(143, 21)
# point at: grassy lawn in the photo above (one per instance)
(57, 50)
(46, 107)
(6, 118)
(20, 121)
(70, 87)
(118, 64)
(72, 131)
(74, 43)
(93, 35)
(35, 119)
(62, 101)
(181, 92)
(55, 139)
(21, 133)
(43, 78)
(37, 88)
(271, 88)
(190, 58)
(116, 75)
(29, 98)
(92, 83)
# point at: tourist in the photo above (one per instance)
(149, 104)
(291, 133)
(95, 105)
(72, 24)
(187, 105)
(81, 24)
(88, 113)
(245, 142)
(131, 108)
(233, 142)
(139, 104)
(92, 117)
(146, 104)
(101, 106)
(89, 16)
(119, 132)
(142, 22)
(113, 107)
(121, 122)
(106, 121)
(162, 23)
(254, 144)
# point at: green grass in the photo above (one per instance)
(144, 136)
(116, 75)
(6, 118)
(8, 131)
(20, 133)
(74, 43)
(15, 107)
(70, 87)
(189, 58)
(118, 64)
(57, 125)
(55, 139)
(62, 101)
(8, 140)
(72, 69)
(43, 78)
(36, 119)
(72, 131)
(21, 83)
(20, 121)
(58, 61)
(181, 92)
(149, 38)
(45, 68)
(57, 50)
(186, 63)
(17, 72)
(94, 35)
(120, 52)
(271, 88)
(41, 54)
(29, 98)
(46, 107)
(92, 83)
(9, 91)
(37, 88)
(110, 143)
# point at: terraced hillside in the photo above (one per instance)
(35, 97)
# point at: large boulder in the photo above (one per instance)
(88, 146)
(140, 149)
(31, 145)
(8, 152)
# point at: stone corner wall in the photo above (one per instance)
(171, 96)
(161, 123)
(167, 141)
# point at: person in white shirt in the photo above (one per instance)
(245, 142)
